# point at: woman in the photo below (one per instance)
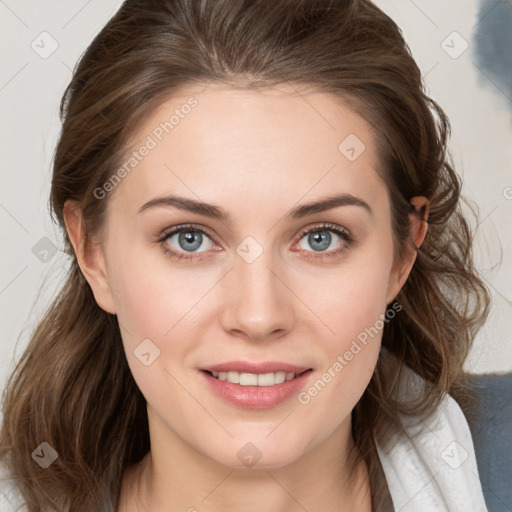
(271, 293)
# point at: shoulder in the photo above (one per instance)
(11, 499)
(433, 465)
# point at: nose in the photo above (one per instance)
(258, 303)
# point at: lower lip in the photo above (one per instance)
(256, 397)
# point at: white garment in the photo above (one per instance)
(434, 472)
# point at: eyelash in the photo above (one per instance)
(342, 233)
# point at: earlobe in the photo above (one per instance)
(418, 219)
(90, 257)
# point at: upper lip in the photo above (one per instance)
(256, 367)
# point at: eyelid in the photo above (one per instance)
(167, 232)
(327, 226)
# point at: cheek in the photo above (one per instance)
(157, 300)
(358, 304)
(349, 355)
(352, 306)
(145, 304)
(152, 304)
(352, 299)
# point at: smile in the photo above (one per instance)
(256, 390)
(254, 379)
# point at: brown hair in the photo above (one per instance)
(72, 387)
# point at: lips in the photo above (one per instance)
(255, 385)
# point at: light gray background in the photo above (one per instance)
(478, 102)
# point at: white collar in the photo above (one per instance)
(435, 469)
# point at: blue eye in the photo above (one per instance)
(320, 238)
(187, 239)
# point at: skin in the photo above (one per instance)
(256, 154)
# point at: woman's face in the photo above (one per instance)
(260, 281)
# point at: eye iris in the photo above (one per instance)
(193, 240)
(320, 237)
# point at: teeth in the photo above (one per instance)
(248, 379)
(253, 379)
(233, 377)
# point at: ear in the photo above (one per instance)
(419, 226)
(90, 257)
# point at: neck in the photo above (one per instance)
(329, 477)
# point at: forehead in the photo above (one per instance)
(219, 144)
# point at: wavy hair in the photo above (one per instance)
(72, 386)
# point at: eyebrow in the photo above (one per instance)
(216, 212)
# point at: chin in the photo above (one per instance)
(258, 454)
